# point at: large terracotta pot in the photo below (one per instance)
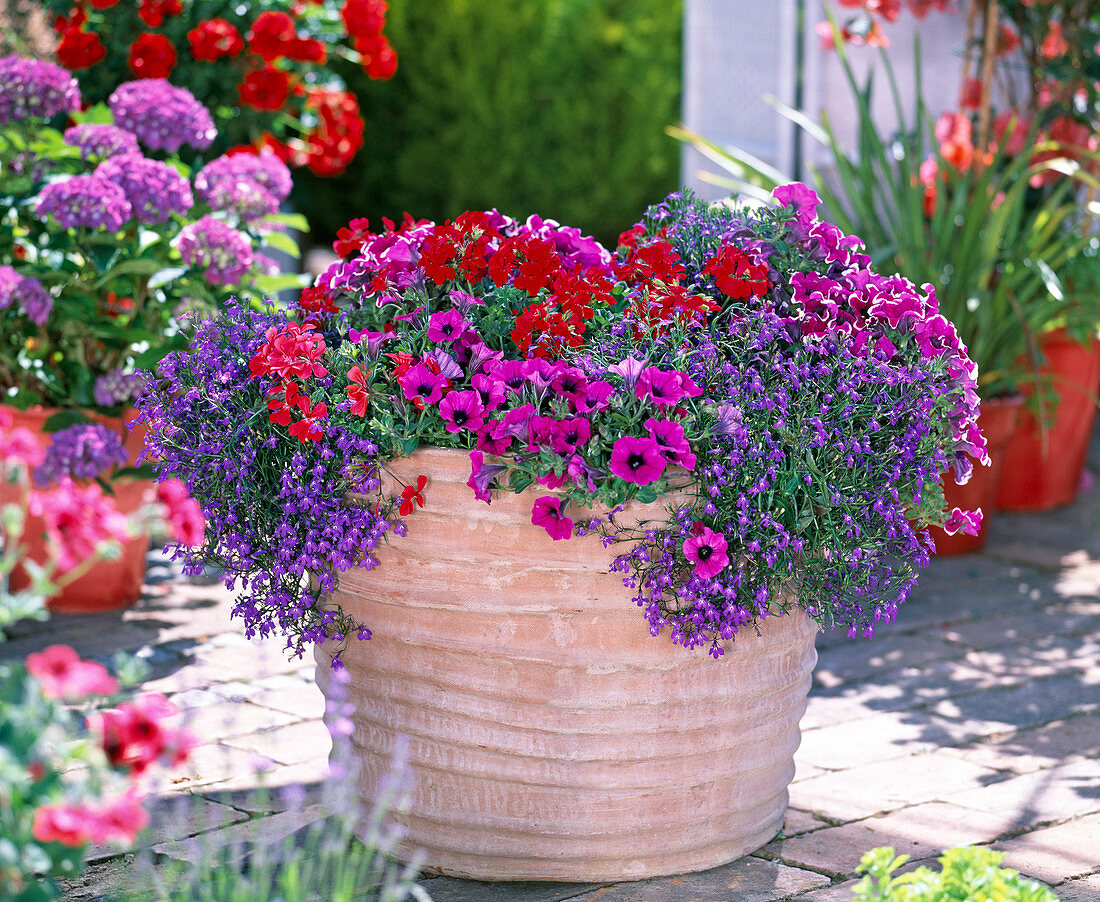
(552, 737)
(107, 585)
(1037, 476)
(997, 420)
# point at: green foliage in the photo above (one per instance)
(556, 107)
(970, 874)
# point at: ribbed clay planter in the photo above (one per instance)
(997, 420)
(552, 737)
(1038, 475)
(107, 585)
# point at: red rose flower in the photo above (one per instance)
(213, 39)
(80, 49)
(265, 89)
(152, 12)
(152, 56)
(271, 33)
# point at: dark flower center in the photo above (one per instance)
(704, 552)
(636, 461)
(460, 417)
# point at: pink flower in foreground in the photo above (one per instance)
(62, 674)
(19, 445)
(134, 736)
(182, 512)
(70, 825)
(547, 514)
(77, 520)
(708, 552)
(967, 522)
(121, 819)
(637, 460)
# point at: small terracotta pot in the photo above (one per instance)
(997, 420)
(107, 585)
(1038, 477)
(552, 737)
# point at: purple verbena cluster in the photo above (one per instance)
(156, 191)
(26, 293)
(247, 185)
(81, 451)
(35, 89)
(100, 141)
(119, 387)
(161, 115)
(223, 253)
(84, 201)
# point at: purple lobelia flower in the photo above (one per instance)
(82, 451)
(155, 190)
(84, 201)
(223, 253)
(101, 141)
(26, 293)
(162, 116)
(117, 387)
(34, 89)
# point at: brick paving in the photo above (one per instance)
(972, 721)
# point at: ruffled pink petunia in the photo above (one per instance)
(61, 674)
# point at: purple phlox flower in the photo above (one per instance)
(707, 551)
(637, 460)
(87, 201)
(223, 253)
(571, 434)
(421, 386)
(596, 397)
(482, 476)
(966, 522)
(448, 367)
(35, 89)
(547, 514)
(447, 326)
(26, 293)
(630, 369)
(155, 190)
(462, 410)
(669, 435)
(162, 116)
(491, 390)
(81, 451)
(100, 140)
(118, 387)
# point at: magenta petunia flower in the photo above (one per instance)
(490, 390)
(511, 373)
(570, 434)
(446, 325)
(637, 460)
(966, 522)
(547, 514)
(669, 435)
(665, 388)
(596, 397)
(494, 439)
(482, 476)
(630, 369)
(570, 382)
(462, 410)
(707, 551)
(422, 386)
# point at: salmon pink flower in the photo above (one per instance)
(637, 460)
(69, 825)
(547, 514)
(77, 520)
(182, 512)
(707, 551)
(62, 674)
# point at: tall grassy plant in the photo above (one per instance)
(557, 107)
(992, 250)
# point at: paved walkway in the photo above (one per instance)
(976, 719)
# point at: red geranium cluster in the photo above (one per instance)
(270, 64)
(134, 735)
(546, 328)
(289, 353)
(459, 246)
(736, 275)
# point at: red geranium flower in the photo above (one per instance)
(215, 38)
(364, 18)
(379, 58)
(152, 56)
(80, 49)
(410, 494)
(271, 33)
(350, 240)
(152, 12)
(265, 89)
(736, 275)
(358, 392)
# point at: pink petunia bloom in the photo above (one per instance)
(134, 735)
(662, 387)
(596, 397)
(707, 551)
(120, 820)
(447, 326)
(669, 435)
(182, 512)
(77, 520)
(571, 434)
(547, 514)
(490, 390)
(637, 460)
(482, 476)
(69, 825)
(18, 446)
(422, 386)
(570, 382)
(462, 410)
(494, 439)
(62, 674)
(966, 522)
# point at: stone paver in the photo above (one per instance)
(973, 719)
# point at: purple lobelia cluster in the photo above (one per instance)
(81, 451)
(794, 408)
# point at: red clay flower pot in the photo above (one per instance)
(551, 736)
(107, 585)
(997, 421)
(1035, 477)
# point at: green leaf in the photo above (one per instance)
(281, 241)
(63, 420)
(275, 284)
(294, 221)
